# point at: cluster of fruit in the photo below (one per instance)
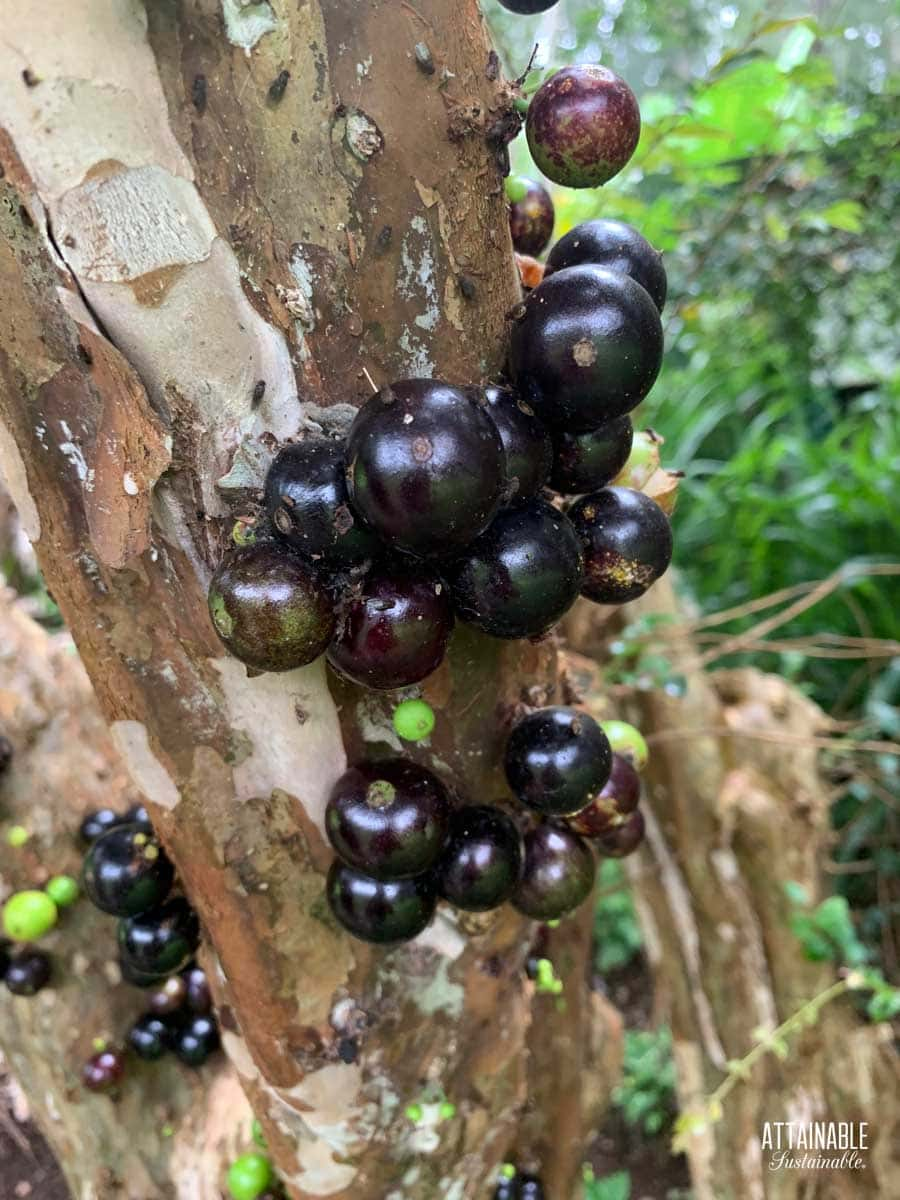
(518, 1185)
(27, 916)
(402, 843)
(127, 874)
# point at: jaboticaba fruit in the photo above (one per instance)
(270, 608)
(583, 462)
(150, 1037)
(613, 804)
(623, 839)
(583, 126)
(373, 910)
(99, 822)
(389, 819)
(613, 245)
(481, 863)
(522, 575)
(169, 997)
(425, 466)
(586, 346)
(103, 1071)
(126, 871)
(531, 214)
(527, 451)
(161, 941)
(558, 873)
(627, 542)
(199, 996)
(27, 972)
(527, 7)
(197, 1040)
(530, 1188)
(556, 759)
(308, 505)
(393, 627)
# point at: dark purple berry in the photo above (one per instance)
(615, 801)
(27, 972)
(557, 875)
(393, 628)
(389, 819)
(425, 466)
(583, 126)
(270, 608)
(531, 214)
(508, 1187)
(138, 815)
(309, 507)
(586, 347)
(197, 1040)
(99, 822)
(161, 941)
(139, 979)
(622, 839)
(481, 862)
(5, 952)
(522, 575)
(627, 543)
(528, 7)
(615, 246)
(530, 1187)
(199, 996)
(583, 462)
(126, 871)
(103, 1071)
(150, 1037)
(169, 997)
(527, 450)
(556, 759)
(381, 911)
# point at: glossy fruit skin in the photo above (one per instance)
(139, 979)
(583, 126)
(126, 872)
(270, 608)
(103, 1071)
(627, 543)
(583, 462)
(425, 466)
(161, 941)
(150, 1037)
(527, 450)
(557, 875)
(388, 819)
(413, 720)
(557, 758)
(617, 247)
(522, 575)
(527, 7)
(99, 822)
(507, 1189)
(28, 915)
(627, 741)
(481, 862)
(249, 1176)
(530, 1188)
(199, 996)
(197, 1040)
(586, 348)
(613, 804)
(169, 997)
(63, 890)
(138, 815)
(308, 505)
(27, 972)
(393, 627)
(623, 839)
(380, 911)
(531, 215)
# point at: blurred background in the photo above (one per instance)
(768, 174)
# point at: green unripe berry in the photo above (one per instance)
(29, 915)
(63, 890)
(17, 836)
(627, 741)
(413, 720)
(256, 1132)
(249, 1176)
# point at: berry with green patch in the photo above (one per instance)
(628, 741)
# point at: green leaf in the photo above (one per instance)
(844, 214)
(609, 1187)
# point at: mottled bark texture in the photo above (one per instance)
(220, 222)
(170, 1130)
(736, 806)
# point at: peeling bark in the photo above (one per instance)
(220, 223)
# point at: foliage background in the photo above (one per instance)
(768, 174)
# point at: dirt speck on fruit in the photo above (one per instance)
(422, 449)
(584, 353)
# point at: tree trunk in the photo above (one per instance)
(220, 224)
(170, 1129)
(736, 806)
